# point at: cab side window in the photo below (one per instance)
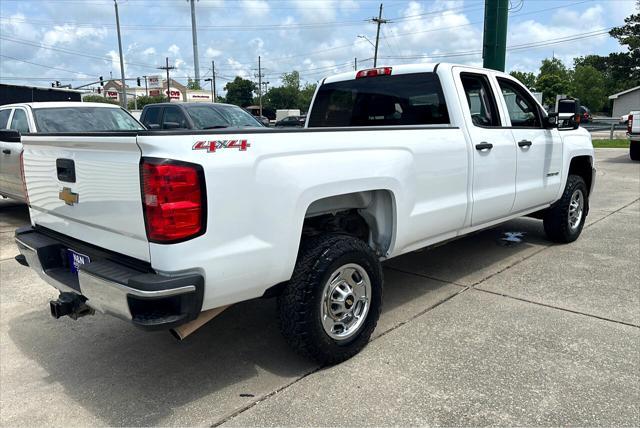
(482, 103)
(523, 110)
(152, 117)
(173, 118)
(19, 121)
(4, 118)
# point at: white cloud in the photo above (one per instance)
(213, 53)
(149, 51)
(255, 7)
(174, 50)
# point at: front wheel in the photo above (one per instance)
(564, 220)
(634, 150)
(331, 305)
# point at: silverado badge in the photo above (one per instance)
(68, 196)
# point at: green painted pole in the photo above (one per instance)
(494, 44)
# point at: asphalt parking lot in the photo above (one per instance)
(480, 331)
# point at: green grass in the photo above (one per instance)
(611, 144)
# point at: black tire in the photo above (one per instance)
(556, 218)
(634, 150)
(299, 305)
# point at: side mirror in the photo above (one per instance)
(568, 114)
(10, 135)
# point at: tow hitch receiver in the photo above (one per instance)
(69, 304)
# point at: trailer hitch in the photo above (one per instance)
(70, 304)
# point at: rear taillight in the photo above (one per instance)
(372, 72)
(24, 181)
(630, 124)
(174, 200)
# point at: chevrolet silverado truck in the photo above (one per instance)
(165, 229)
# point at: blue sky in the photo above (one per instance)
(76, 40)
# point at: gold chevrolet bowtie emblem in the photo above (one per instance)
(68, 196)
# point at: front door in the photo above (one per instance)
(539, 150)
(494, 153)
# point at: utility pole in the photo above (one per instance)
(378, 21)
(167, 68)
(146, 89)
(124, 87)
(213, 76)
(259, 76)
(355, 64)
(194, 36)
(494, 44)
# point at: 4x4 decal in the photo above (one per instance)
(213, 145)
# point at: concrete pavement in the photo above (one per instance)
(475, 332)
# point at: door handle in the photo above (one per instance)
(6, 151)
(484, 146)
(524, 143)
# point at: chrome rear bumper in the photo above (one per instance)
(143, 297)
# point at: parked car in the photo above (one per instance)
(633, 131)
(291, 121)
(585, 115)
(165, 231)
(196, 116)
(52, 117)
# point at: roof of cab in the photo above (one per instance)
(396, 69)
(60, 104)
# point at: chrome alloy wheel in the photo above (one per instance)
(345, 301)
(576, 209)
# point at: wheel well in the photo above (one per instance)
(582, 166)
(367, 215)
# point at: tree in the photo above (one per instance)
(553, 79)
(528, 79)
(306, 94)
(240, 91)
(144, 100)
(629, 35)
(588, 86)
(291, 80)
(193, 84)
(99, 99)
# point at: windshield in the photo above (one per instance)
(84, 119)
(218, 116)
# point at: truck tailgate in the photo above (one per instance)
(88, 188)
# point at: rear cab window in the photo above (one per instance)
(84, 119)
(393, 100)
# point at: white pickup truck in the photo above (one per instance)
(164, 229)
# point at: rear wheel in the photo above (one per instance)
(564, 220)
(634, 150)
(332, 303)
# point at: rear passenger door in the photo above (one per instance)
(538, 150)
(494, 152)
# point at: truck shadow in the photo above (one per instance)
(125, 376)
(13, 214)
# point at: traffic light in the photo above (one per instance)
(99, 91)
(101, 81)
(138, 81)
